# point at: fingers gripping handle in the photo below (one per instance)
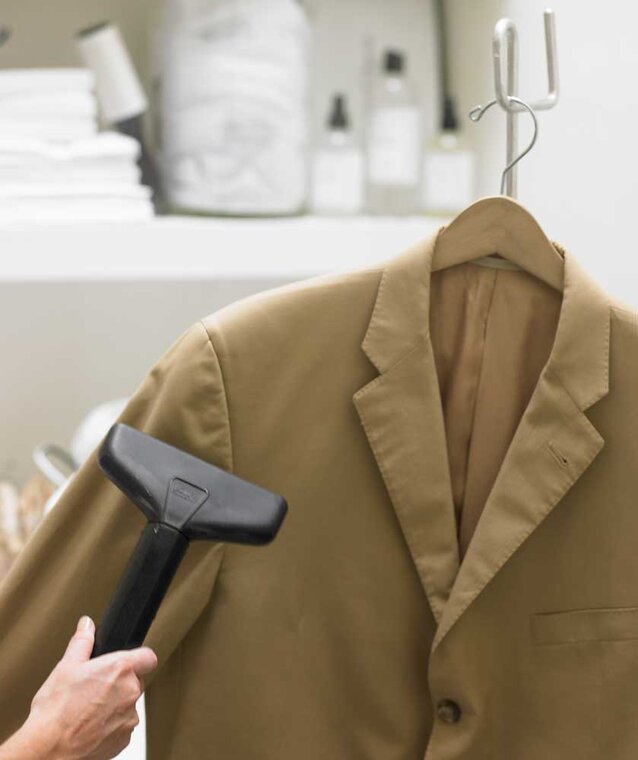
(141, 589)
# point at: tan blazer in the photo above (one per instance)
(457, 576)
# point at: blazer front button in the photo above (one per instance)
(448, 711)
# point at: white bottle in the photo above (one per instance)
(448, 169)
(394, 142)
(337, 170)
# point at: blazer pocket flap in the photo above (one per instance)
(600, 624)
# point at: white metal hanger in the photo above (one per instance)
(497, 226)
(505, 48)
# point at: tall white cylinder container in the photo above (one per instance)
(233, 94)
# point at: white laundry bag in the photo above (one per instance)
(233, 105)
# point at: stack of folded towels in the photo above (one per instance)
(54, 164)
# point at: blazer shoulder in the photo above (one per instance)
(624, 328)
(624, 312)
(313, 301)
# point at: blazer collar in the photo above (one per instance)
(579, 356)
(402, 417)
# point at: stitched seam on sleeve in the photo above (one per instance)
(224, 394)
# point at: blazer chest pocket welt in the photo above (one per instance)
(594, 624)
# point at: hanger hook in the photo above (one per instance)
(476, 114)
(505, 48)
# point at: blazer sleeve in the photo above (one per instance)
(74, 559)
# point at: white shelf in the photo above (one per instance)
(194, 248)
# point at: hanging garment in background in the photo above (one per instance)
(457, 576)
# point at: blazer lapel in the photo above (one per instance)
(405, 429)
(402, 416)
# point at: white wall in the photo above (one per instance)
(70, 346)
(580, 179)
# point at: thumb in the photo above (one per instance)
(81, 643)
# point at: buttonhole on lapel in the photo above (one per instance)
(562, 459)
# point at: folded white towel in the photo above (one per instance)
(39, 103)
(107, 170)
(23, 80)
(56, 129)
(107, 156)
(101, 146)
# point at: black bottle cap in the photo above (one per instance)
(338, 117)
(450, 120)
(393, 62)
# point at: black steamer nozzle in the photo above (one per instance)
(184, 499)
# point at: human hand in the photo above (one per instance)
(85, 710)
